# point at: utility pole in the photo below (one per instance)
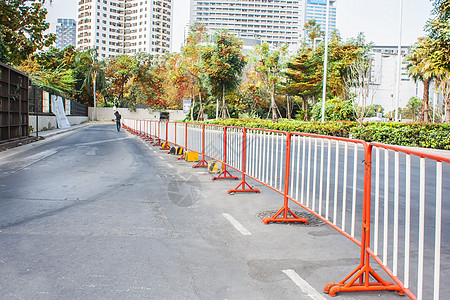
(399, 64)
(325, 63)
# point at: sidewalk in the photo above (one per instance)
(49, 133)
(42, 135)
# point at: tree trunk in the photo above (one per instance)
(192, 106)
(447, 108)
(426, 93)
(224, 114)
(288, 108)
(200, 116)
(305, 109)
(95, 100)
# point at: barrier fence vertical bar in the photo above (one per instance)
(437, 238)
(377, 199)
(315, 176)
(355, 173)
(202, 163)
(321, 175)
(396, 212)
(225, 174)
(327, 204)
(158, 134)
(336, 183)
(386, 207)
(243, 186)
(421, 230)
(364, 270)
(407, 218)
(344, 186)
(185, 141)
(285, 210)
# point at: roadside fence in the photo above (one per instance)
(365, 191)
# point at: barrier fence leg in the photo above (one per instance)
(166, 145)
(285, 214)
(359, 279)
(203, 163)
(225, 174)
(243, 186)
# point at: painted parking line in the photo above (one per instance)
(236, 224)
(303, 285)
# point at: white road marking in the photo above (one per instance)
(303, 285)
(161, 158)
(236, 224)
(101, 142)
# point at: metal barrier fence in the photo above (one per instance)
(331, 178)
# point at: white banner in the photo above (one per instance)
(58, 111)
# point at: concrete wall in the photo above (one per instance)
(45, 121)
(107, 113)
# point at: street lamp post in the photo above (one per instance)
(399, 64)
(325, 62)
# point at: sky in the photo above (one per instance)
(378, 19)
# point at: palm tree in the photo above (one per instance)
(420, 67)
(93, 69)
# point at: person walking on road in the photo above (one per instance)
(118, 117)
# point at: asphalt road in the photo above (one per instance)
(99, 214)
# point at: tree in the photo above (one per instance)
(420, 67)
(22, 28)
(149, 76)
(93, 70)
(357, 84)
(443, 84)
(269, 65)
(223, 63)
(192, 63)
(312, 31)
(439, 32)
(412, 109)
(53, 70)
(342, 55)
(120, 69)
(304, 73)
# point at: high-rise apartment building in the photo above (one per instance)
(272, 21)
(275, 22)
(125, 26)
(66, 30)
(317, 10)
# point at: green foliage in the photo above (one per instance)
(424, 135)
(222, 64)
(22, 28)
(340, 129)
(335, 110)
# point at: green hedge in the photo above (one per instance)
(424, 135)
(341, 129)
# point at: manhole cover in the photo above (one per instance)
(184, 190)
(312, 219)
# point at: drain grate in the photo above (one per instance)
(312, 219)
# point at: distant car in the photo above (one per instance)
(373, 119)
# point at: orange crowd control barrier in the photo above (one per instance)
(331, 178)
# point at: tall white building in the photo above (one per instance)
(65, 33)
(275, 22)
(317, 10)
(116, 27)
(384, 78)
